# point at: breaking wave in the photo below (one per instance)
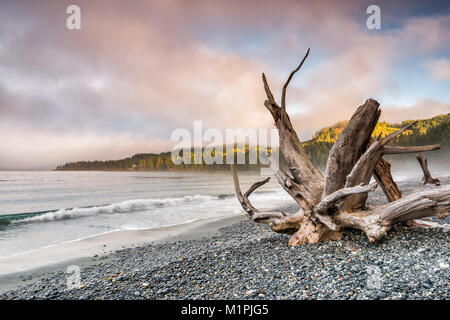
(120, 207)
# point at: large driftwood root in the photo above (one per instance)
(329, 204)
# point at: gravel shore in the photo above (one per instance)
(249, 261)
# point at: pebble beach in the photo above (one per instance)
(234, 258)
(249, 261)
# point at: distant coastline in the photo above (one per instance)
(435, 130)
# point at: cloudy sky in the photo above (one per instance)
(137, 70)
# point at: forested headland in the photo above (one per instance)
(434, 130)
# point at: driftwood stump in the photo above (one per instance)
(329, 204)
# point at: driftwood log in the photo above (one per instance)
(337, 200)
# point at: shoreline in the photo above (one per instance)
(231, 257)
(235, 258)
(26, 267)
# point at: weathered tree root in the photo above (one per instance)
(330, 203)
(426, 173)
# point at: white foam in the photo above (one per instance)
(120, 207)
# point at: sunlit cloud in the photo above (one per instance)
(439, 69)
(138, 70)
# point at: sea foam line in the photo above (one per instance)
(120, 207)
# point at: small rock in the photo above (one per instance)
(250, 292)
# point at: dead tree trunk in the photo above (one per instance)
(328, 204)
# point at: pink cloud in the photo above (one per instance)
(439, 68)
(425, 34)
(420, 110)
(163, 64)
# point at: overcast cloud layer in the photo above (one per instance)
(137, 70)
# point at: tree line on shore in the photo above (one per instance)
(434, 130)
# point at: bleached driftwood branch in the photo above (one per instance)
(338, 200)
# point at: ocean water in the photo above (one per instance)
(39, 209)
